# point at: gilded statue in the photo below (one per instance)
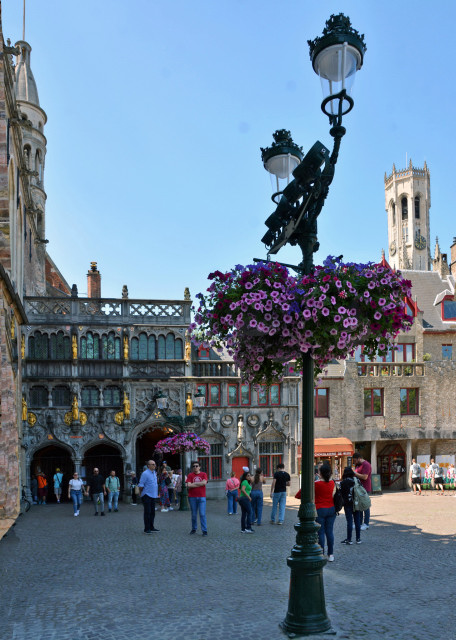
(13, 328)
(119, 417)
(74, 347)
(24, 409)
(23, 347)
(125, 348)
(75, 409)
(126, 406)
(189, 404)
(188, 349)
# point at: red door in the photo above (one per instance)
(237, 464)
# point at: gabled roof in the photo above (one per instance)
(429, 289)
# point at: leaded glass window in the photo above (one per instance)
(112, 397)
(39, 346)
(38, 397)
(245, 394)
(59, 346)
(89, 396)
(161, 348)
(170, 347)
(151, 347)
(61, 396)
(178, 350)
(274, 394)
(134, 349)
(212, 464)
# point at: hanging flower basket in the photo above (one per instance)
(183, 442)
(268, 318)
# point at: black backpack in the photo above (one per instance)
(338, 500)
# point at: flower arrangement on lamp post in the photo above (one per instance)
(182, 443)
(267, 318)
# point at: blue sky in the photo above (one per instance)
(157, 110)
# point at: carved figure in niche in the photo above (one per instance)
(23, 347)
(188, 348)
(125, 348)
(240, 427)
(189, 404)
(74, 347)
(13, 328)
(75, 408)
(125, 291)
(126, 406)
(24, 409)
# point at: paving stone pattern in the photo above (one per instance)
(87, 578)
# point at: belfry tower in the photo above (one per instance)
(407, 203)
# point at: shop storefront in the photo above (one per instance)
(391, 465)
(337, 452)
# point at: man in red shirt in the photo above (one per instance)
(363, 471)
(196, 484)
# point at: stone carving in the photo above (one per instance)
(226, 420)
(240, 427)
(31, 419)
(125, 291)
(253, 420)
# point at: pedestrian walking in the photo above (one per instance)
(163, 484)
(433, 471)
(326, 511)
(346, 488)
(280, 482)
(112, 485)
(439, 480)
(363, 471)
(196, 483)
(97, 488)
(257, 497)
(171, 488)
(231, 489)
(34, 489)
(178, 487)
(451, 476)
(42, 487)
(148, 485)
(133, 487)
(415, 476)
(245, 502)
(58, 477)
(75, 492)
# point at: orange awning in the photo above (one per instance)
(333, 447)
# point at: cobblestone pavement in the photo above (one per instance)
(87, 578)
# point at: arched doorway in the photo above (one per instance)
(48, 459)
(145, 448)
(106, 458)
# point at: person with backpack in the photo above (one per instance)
(415, 476)
(325, 489)
(363, 471)
(346, 488)
(112, 485)
(58, 477)
(42, 487)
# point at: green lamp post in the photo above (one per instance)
(336, 56)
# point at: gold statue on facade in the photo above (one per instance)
(125, 347)
(13, 328)
(188, 348)
(75, 409)
(119, 417)
(126, 406)
(74, 347)
(23, 347)
(189, 404)
(31, 419)
(24, 409)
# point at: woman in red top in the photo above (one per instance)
(325, 489)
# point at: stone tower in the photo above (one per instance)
(407, 203)
(32, 121)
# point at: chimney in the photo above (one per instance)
(93, 281)
(453, 258)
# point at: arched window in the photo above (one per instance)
(112, 397)
(404, 208)
(170, 348)
(90, 396)
(61, 396)
(38, 166)
(134, 349)
(417, 207)
(178, 349)
(143, 347)
(59, 346)
(161, 355)
(90, 346)
(110, 347)
(39, 346)
(38, 397)
(393, 211)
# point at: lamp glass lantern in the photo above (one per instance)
(280, 160)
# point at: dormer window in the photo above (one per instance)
(449, 309)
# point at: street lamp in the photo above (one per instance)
(336, 56)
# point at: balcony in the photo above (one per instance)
(386, 369)
(102, 369)
(215, 369)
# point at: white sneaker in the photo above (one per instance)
(164, 510)
(76, 514)
(170, 509)
(330, 558)
(364, 527)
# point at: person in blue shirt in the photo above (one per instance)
(149, 492)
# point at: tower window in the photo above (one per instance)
(404, 209)
(417, 207)
(393, 210)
